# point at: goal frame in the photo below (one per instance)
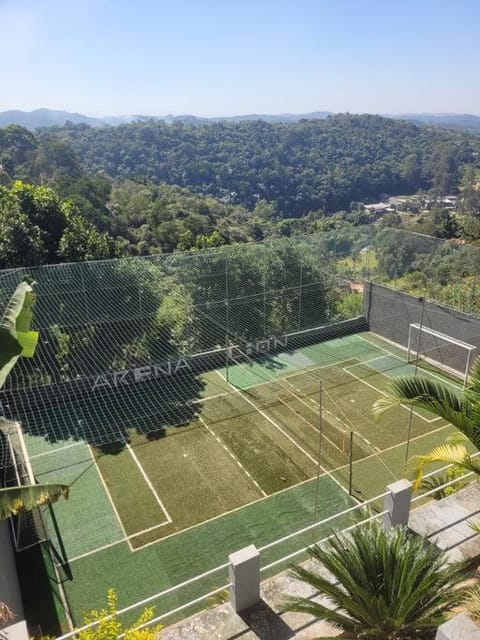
(470, 348)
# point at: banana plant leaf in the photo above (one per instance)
(16, 499)
(16, 337)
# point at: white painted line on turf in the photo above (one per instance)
(48, 453)
(267, 417)
(150, 485)
(395, 446)
(232, 455)
(384, 393)
(193, 526)
(299, 372)
(426, 373)
(104, 484)
(374, 360)
(218, 395)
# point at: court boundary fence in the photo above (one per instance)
(397, 504)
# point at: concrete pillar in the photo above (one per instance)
(459, 627)
(245, 578)
(397, 503)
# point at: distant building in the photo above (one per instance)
(378, 208)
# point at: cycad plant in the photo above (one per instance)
(383, 584)
(460, 408)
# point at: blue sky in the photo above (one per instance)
(211, 57)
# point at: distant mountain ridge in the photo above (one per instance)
(49, 118)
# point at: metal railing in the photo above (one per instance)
(267, 547)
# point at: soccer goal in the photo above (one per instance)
(441, 350)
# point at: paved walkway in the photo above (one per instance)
(262, 622)
(444, 522)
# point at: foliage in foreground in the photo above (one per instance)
(388, 584)
(109, 627)
(462, 410)
(472, 602)
(17, 339)
(15, 499)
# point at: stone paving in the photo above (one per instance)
(262, 622)
(446, 523)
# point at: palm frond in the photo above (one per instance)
(385, 584)
(436, 397)
(456, 454)
(15, 499)
(385, 403)
(474, 379)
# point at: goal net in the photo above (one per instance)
(440, 350)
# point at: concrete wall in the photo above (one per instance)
(9, 587)
(390, 312)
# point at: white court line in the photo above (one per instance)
(102, 480)
(400, 444)
(193, 526)
(150, 485)
(384, 393)
(267, 417)
(372, 359)
(47, 453)
(218, 395)
(232, 455)
(226, 513)
(299, 372)
(427, 373)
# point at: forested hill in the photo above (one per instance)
(299, 167)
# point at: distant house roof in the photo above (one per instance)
(379, 206)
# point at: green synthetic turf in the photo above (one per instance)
(273, 459)
(370, 476)
(195, 478)
(193, 551)
(133, 499)
(87, 519)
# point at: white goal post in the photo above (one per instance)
(440, 350)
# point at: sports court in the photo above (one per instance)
(202, 401)
(160, 506)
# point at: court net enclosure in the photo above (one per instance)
(197, 403)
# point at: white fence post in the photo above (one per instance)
(459, 627)
(245, 578)
(397, 503)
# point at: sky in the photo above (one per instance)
(229, 57)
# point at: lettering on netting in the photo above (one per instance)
(139, 374)
(151, 372)
(265, 345)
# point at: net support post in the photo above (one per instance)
(461, 626)
(397, 504)
(244, 578)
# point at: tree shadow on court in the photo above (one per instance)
(108, 417)
(111, 448)
(157, 435)
(269, 362)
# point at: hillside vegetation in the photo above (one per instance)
(149, 187)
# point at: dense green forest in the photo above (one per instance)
(80, 193)
(299, 167)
